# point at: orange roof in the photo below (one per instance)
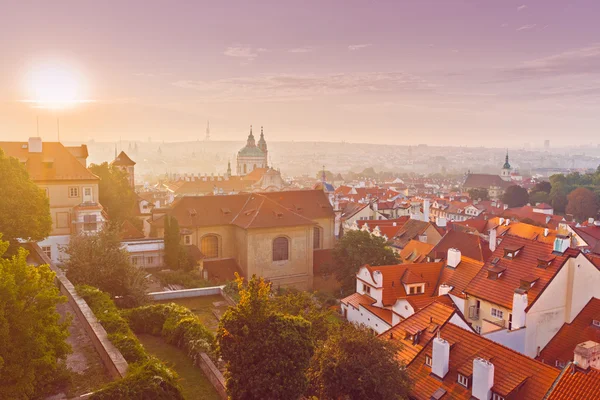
(515, 375)
(311, 204)
(533, 232)
(424, 323)
(383, 313)
(123, 160)
(199, 186)
(469, 245)
(575, 383)
(525, 264)
(410, 230)
(460, 276)
(415, 251)
(255, 175)
(55, 162)
(580, 330)
(357, 299)
(128, 231)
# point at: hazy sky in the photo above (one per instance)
(493, 72)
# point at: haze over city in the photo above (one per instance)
(469, 73)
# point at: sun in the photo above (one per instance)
(54, 85)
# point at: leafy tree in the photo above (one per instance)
(582, 203)
(33, 343)
(539, 197)
(515, 196)
(266, 353)
(116, 194)
(558, 197)
(355, 364)
(478, 194)
(176, 256)
(355, 249)
(543, 186)
(100, 261)
(24, 207)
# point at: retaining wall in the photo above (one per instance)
(179, 294)
(213, 374)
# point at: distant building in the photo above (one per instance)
(252, 156)
(494, 184)
(126, 164)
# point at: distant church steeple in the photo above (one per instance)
(251, 142)
(207, 138)
(506, 169)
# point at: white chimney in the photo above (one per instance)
(444, 289)
(375, 206)
(587, 354)
(596, 223)
(507, 222)
(590, 220)
(493, 240)
(440, 357)
(453, 258)
(501, 221)
(561, 243)
(518, 309)
(546, 231)
(483, 379)
(426, 206)
(505, 206)
(35, 145)
(394, 224)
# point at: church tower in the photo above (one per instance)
(262, 144)
(506, 169)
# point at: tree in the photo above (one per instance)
(355, 364)
(582, 204)
(176, 256)
(543, 186)
(515, 196)
(266, 353)
(558, 197)
(33, 345)
(24, 207)
(355, 249)
(478, 194)
(539, 197)
(100, 261)
(116, 194)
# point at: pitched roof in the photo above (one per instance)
(575, 383)
(357, 299)
(415, 251)
(515, 375)
(591, 235)
(128, 231)
(123, 160)
(458, 278)
(313, 204)
(485, 181)
(256, 174)
(410, 230)
(55, 162)
(472, 246)
(533, 232)
(200, 186)
(78, 151)
(580, 330)
(525, 264)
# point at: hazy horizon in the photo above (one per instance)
(438, 73)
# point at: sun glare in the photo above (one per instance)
(54, 85)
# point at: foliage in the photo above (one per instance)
(33, 344)
(187, 279)
(478, 194)
(24, 207)
(543, 186)
(100, 261)
(148, 380)
(176, 324)
(582, 204)
(515, 196)
(116, 194)
(355, 249)
(175, 254)
(231, 289)
(266, 353)
(355, 364)
(539, 197)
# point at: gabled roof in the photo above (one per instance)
(78, 151)
(485, 181)
(575, 383)
(415, 251)
(357, 299)
(128, 231)
(123, 160)
(515, 376)
(500, 291)
(410, 230)
(591, 235)
(580, 330)
(458, 278)
(472, 246)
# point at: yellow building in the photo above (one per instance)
(272, 235)
(71, 188)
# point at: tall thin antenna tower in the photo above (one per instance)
(207, 138)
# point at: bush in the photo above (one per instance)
(231, 290)
(189, 280)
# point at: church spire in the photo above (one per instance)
(229, 169)
(262, 143)
(251, 141)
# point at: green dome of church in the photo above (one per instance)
(251, 151)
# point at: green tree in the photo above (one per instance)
(355, 249)
(116, 194)
(266, 353)
(558, 197)
(543, 186)
(539, 197)
(355, 364)
(176, 255)
(582, 204)
(100, 261)
(478, 194)
(33, 343)
(515, 196)
(24, 207)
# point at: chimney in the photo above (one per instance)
(507, 222)
(453, 258)
(505, 206)
(546, 231)
(444, 289)
(426, 210)
(518, 309)
(35, 145)
(493, 240)
(501, 221)
(483, 379)
(587, 354)
(590, 220)
(375, 206)
(596, 223)
(394, 224)
(440, 356)
(561, 243)
(441, 222)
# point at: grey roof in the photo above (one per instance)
(251, 151)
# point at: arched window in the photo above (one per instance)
(316, 238)
(210, 246)
(281, 250)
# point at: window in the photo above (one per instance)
(73, 191)
(47, 251)
(463, 380)
(187, 239)
(496, 396)
(62, 219)
(428, 360)
(135, 260)
(316, 238)
(596, 322)
(150, 260)
(281, 249)
(416, 289)
(87, 195)
(497, 313)
(210, 246)
(366, 289)
(477, 329)
(90, 223)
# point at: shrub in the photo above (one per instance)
(187, 279)
(231, 290)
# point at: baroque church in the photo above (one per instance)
(252, 156)
(494, 184)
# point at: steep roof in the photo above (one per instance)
(591, 235)
(123, 160)
(472, 246)
(415, 251)
(78, 151)
(458, 278)
(515, 376)
(313, 204)
(533, 232)
(580, 330)
(410, 230)
(128, 231)
(523, 266)
(55, 162)
(575, 383)
(484, 181)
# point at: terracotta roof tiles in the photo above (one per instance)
(577, 384)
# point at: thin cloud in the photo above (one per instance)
(522, 7)
(244, 52)
(354, 47)
(527, 27)
(303, 49)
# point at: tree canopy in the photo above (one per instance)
(33, 344)
(355, 364)
(176, 256)
(478, 194)
(24, 207)
(582, 204)
(515, 196)
(266, 353)
(355, 249)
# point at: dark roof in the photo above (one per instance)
(471, 246)
(123, 160)
(128, 231)
(410, 230)
(485, 181)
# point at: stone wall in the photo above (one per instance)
(213, 374)
(183, 293)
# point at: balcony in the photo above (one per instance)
(474, 313)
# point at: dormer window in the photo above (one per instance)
(496, 396)
(463, 380)
(596, 323)
(428, 360)
(416, 289)
(366, 289)
(544, 262)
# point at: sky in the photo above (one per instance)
(480, 72)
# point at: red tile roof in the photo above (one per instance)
(515, 375)
(472, 246)
(357, 299)
(575, 383)
(533, 232)
(458, 278)
(382, 313)
(415, 251)
(485, 181)
(128, 231)
(410, 230)
(580, 330)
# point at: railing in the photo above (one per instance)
(474, 313)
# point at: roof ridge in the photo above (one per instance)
(256, 213)
(241, 209)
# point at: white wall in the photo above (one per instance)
(56, 242)
(512, 339)
(458, 321)
(365, 317)
(586, 284)
(403, 308)
(460, 303)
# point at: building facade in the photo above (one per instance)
(252, 156)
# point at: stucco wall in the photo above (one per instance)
(328, 231)
(512, 339)
(226, 236)
(365, 317)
